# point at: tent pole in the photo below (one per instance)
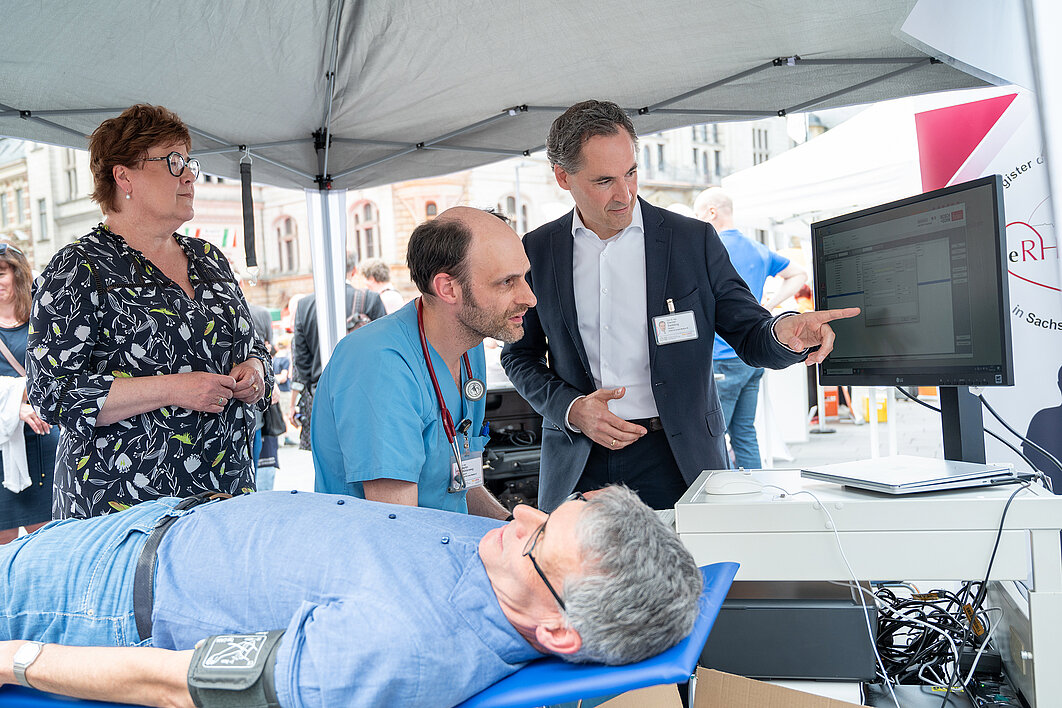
(329, 239)
(325, 208)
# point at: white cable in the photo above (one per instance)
(882, 606)
(936, 682)
(866, 612)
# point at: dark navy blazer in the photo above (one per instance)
(684, 261)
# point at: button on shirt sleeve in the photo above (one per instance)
(64, 327)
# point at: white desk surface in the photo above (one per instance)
(948, 535)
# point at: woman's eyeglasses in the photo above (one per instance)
(176, 162)
(4, 247)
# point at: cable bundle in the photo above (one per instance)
(920, 637)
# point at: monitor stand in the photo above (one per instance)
(963, 425)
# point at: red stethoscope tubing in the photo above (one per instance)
(447, 420)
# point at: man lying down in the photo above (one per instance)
(321, 600)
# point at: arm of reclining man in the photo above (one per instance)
(138, 675)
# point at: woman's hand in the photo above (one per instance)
(30, 418)
(250, 380)
(203, 391)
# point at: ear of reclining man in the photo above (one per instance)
(442, 605)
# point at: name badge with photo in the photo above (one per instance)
(675, 327)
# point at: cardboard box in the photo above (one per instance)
(715, 689)
(718, 690)
(665, 696)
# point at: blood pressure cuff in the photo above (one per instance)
(235, 671)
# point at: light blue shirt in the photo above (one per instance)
(375, 413)
(382, 605)
(755, 263)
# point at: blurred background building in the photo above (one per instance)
(45, 204)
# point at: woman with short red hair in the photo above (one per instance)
(141, 345)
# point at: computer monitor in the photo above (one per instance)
(929, 273)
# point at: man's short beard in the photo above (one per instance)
(480, 323)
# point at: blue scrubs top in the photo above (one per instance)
(375, 414)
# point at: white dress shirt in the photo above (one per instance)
(609, 279)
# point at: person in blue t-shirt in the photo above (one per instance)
(426, 608)
(399, 410)
(755, 263)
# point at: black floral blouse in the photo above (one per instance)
(102, 310)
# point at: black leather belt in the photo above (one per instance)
(144, 578)
(651, 424)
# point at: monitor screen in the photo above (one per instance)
(929, 274)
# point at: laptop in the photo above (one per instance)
(906, 474)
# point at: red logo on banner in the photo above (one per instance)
(947, 136)
(946, 139)
(1031, 251)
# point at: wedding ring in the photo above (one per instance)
(255, 387)
(613, 442)
(221, 401)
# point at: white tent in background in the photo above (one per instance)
(869, 159)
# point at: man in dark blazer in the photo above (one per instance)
(617, 355)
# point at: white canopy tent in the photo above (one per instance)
(407, 90)
(347, 93)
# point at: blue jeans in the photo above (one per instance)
(737, 393)
(71, 582)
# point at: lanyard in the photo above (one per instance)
(447, 420)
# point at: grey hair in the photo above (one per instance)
(375, 269)
(585, 120)
(639, 592)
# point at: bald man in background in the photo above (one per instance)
(754, 262)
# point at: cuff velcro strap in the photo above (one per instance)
(235, 671)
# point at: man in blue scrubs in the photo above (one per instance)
(379, 428)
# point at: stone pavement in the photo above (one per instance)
(918, 432)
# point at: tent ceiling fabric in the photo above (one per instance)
(256, 73)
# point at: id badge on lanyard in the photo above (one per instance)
(466, 471)
(674, 326)
(466, 475)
